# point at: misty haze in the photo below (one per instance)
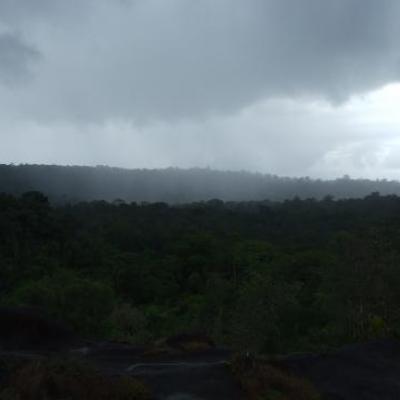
(200, 199)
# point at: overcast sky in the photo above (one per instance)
(291, 87)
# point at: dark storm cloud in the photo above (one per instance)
(176, 59)
(16, 57)
(269, 85)
(22, 11)
(330, 48)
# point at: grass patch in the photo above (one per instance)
(69, 379)
(263, 381)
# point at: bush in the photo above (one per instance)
(129, 324)
(69, 379)
(262, 381)
(82, 303)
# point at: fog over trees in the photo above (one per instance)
(196, 194)
(173, 185)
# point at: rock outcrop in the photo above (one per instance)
(30, 329)
(368, 371)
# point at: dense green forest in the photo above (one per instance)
(263, 276)
(63, 184)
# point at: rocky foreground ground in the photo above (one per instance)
(369, 371)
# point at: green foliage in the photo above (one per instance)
(81, 302)
(360, 287)
(272, 277)
(129, 324)
(264, 319)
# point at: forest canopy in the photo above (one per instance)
(262, 276)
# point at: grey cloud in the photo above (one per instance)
(156, 59)
(275, 137)
(16, 57)
(229, 83)
(28, 11)
(10, 10)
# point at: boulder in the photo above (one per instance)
(23, 328)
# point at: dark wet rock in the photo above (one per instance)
(190, 340)
(112, 358)
(369, 371)
(30, 329)
(180, 345)
(3, 373)
(189, 381)
(196, 376)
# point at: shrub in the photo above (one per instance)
(129, 324)
(262, 381)
(83, 303)
(69, 379)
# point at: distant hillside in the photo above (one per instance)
(172, 185)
